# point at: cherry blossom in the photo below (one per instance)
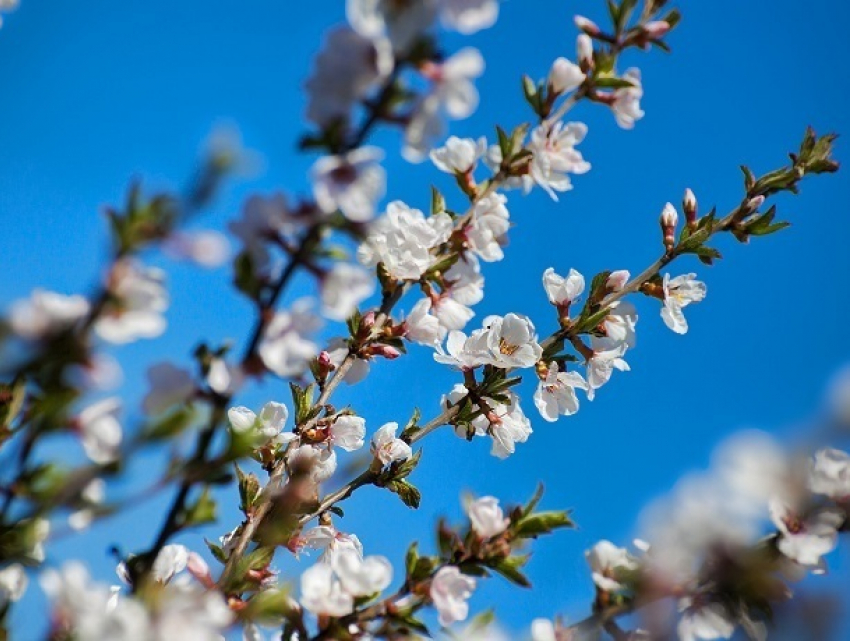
(680, 292)
(322, 593)
(508, 426)
(805, 538)
(263, 217)
(285, 348)
(486, 517)
(621, 322)
(138, 300)
(458, 155)
(706, 621)
(564, 76)
(452, 91)
(402, 239)
(830, 474)
(100, 431)
(450, 591)
(462, 351)
(46, 313)
(421, 326)
(349, 65)
(468, 16)
(626, 104)
(556, 393)
(607, 356)
(92, 495)
(555, 155)
(511, 341)
(561, 290)
(485, 233)
(318, 462)
(13, 583)
(343, 289)
(206, 248)
(387, 448)
(610, 565)
(400, 22)
(362, 576)
(168, 386)
(353, 183)
(348, 432)
(264, 427)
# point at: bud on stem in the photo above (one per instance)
(669, 220)
(689, 206)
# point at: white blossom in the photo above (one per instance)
(565, 76)
(543, 630)
(402, 239)
(352, 183)
(100, 431)
(462, 352)
(206, 248)
(556, 393)
(607, 356)
(263, 217)
(13, 583)
(464, 286)
(806, 538)
(486, 231)
(704, 621)
(680, 292)
(400, 22)
(92, 495)
(584, 49)
(555, 155)
(343, 289)
(452, 91)
(387, 448)
(486, 517)
(626, 105)
(138, 300)
(617, 280)
(318, 462)
(348, 432)
(458, 155)
(337, 351)
(511, 341)
(621, 322)
(285, 348)
(46, 313)
(170, 560)
(421, 326)
(561, 290)
(829, 473)
(468, 16)
(362, 576)
(322, 592)
(450, 591)
(610, 565)
(223, 377)
(508, 426)
(265, 427)
(349, 65)
(169, 385)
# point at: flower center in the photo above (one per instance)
(507, 348)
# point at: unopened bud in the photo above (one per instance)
(689, 206)
(656, 28)
(387, 351)
(564, 76)
(368, 320)
(588, 26)
(584, 51)
(669, 220)
(754, 203)
(617, 280)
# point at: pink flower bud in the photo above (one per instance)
(617, 280)
(755, 203)
(656, 28)
(368, 320)
(324, 360)
(387, 351)
(584, 51)
(689, 206)
(588, 26)
(669, 216)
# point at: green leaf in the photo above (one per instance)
(534, 500)
(534, 525)
(11, 400)
(217, 551)
(438, 202)
(202, 511)
(249, 489)
(612, 82)
(509, 568)
(407, 492)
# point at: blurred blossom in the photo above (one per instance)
(205, 248)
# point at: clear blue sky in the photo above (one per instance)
(97, 92)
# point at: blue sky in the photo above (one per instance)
(98, 92)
